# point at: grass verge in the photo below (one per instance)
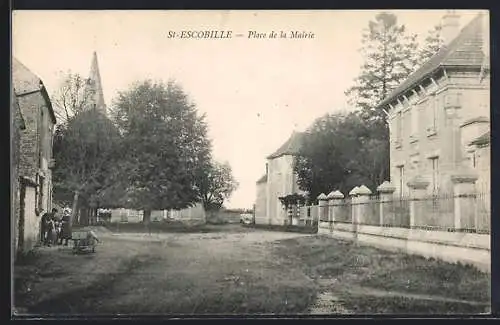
(287, 228)
(348, 265)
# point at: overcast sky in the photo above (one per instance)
(255, 91)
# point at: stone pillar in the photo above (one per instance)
(363, 199)
(386, 194)
(418, 191)
(335, 200)
(464, 199)
(289, 209)
(335, 204)
(322, 208)
(354, 211)
(354, 205)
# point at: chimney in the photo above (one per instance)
(267, 168)
(450, 26)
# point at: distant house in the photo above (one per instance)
(280, 180)
(194, 214)
(260, 209)
(34, 160)
(439, 116)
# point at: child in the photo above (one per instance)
(51, 232)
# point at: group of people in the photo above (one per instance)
(56, 230)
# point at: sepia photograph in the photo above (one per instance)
(250, 162)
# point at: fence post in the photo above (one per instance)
(418, 190)
(386, 191)
(322, 208)
(363, 201)
(354, 211)
(335, 200)
(464, 199)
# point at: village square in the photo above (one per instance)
(181, 174)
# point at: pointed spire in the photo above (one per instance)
(95, 85)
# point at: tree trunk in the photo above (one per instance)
(73, 208)
(146, 216)
(84, 216)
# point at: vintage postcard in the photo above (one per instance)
(239, 162)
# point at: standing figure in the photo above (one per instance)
(51, 232)
(59, 231)
(66, 227)
(45, 225)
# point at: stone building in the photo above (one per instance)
(18, 125)
(441, 110)
(280, 180)
(35, 158)
(260, 209)
(194, 214)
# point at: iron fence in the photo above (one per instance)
(434, 212)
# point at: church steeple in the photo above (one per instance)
(95, 86)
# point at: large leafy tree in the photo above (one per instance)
(338, 153)
(216, 184)
(71, 98)
(165, 146)
(85, 149)
(432, 44)
(390, 55)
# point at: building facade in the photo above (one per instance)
(17, 123)
(35, 153)
(440, 110)
(194, 214)
(260, 208)
(280, 180)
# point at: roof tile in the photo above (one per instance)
(290, 147)
(464, 50)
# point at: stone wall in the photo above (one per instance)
(16, 122)
(465, 236)
(451, 247)
(36, 145)
(31, 220)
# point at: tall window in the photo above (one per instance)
(435, 174)
(401, 173)
(434, 113)
(473, 159)
(41, 137)
(40, 194)
(414, 120)
(399, 126)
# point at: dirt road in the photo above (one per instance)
(237, 270)
(227, 272)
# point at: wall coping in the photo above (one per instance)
(335, 195)
(386, 187)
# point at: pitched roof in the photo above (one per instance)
(464, 50)
(483, 139)
(25, 82)
(95, 84)
(290, 147)
(263, 179)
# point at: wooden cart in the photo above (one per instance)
(84, 241)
